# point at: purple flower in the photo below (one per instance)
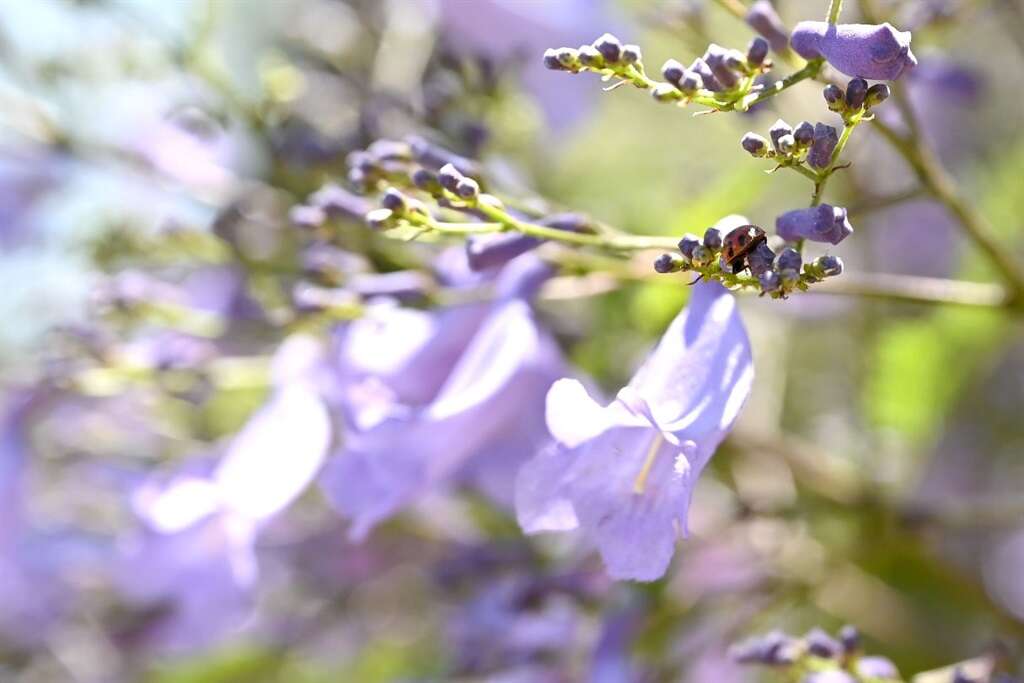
(487, 412)
(877, 668)
(875, 51)
(624, 472)
(822, 223)
(196, 558)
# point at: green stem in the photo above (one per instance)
(809, 71)
(834, 8)
(825, 174)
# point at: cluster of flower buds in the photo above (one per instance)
(790, 146)
(745, 249)
(821, 657)
(606, 55)
(857, 99)
(719, 69)
(390, 161)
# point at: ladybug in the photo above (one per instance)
(738, 244)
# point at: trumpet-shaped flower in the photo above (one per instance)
(875, 51)
(624, 473)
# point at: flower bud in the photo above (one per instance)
(467, 188)
(393, 200)
(568, 58)
(877, 668)
(769, 281)
(803, 133)
(833, 97)
(631, 54)
(877, 94)
(665, 92)
(787, 144)
(701, 255)
(819, 643)
(707, 78)
(380, 219)
(449, 177)
(551, 60)
(856, 92)
(688, 244)
(669, 263)
(426, 180)
(716, 57)
(609, 47)
(362, 160)
(589, 56)
(761, 259)
(830, 266)
(754, 144)
(672, 71)
(307, 217)
(778, 129)
(389, 150)
(713, 239)
(849, 636)
(757, 52)
(824, 143)
(691, 82)
(789, 259)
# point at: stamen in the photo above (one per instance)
(640, 484)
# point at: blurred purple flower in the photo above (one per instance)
(487, 410)
(822, 223)
(763, 18)
(624, 473)
(504, 29)
(195, 563)
(874, 51)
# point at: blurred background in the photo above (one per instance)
(151, 264)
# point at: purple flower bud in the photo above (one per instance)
(361, 160)
(772, 648)
(769, 281)
(778, 129)
(672, 71)
(551, 60)
(691, 82)
(380, 219)
(761, 259)
(833, 97)
(763, 18)
(568, 58)
(668, 263)
(875, 51)
(426, 180)
(824, 143)
(435, 156)
(754, 144)
(389, 150)
(338, 202)
(713, 238)
(707, 77)
(631, 54)
(701, 255)
(488, 251)
(467, 188)
(803, 133)
(394, 200)
(449, 177)
(757, 51)
(819, 643)
(877, 94)
(688, 244)
(822, 223)
(788, 259)
(873, 668)
(609, 47)
(856, 91)
(849, 636)
(787, 144)
(830, 266)
(589, 56)
(716, 57)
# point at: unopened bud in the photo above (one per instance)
(713, 238)
(803, 133)
(877, 94)
(757, 51)
(589, 56)
(672, 71)
(669, 263)
(631, 54)
(856, 93)
(833, 97)
(754, 144)
(609, 47)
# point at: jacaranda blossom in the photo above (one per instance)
(624, 473)
(822, 223)
(485, 419)
(874, 51)
(196, 558)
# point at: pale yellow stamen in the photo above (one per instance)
(652, 452)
